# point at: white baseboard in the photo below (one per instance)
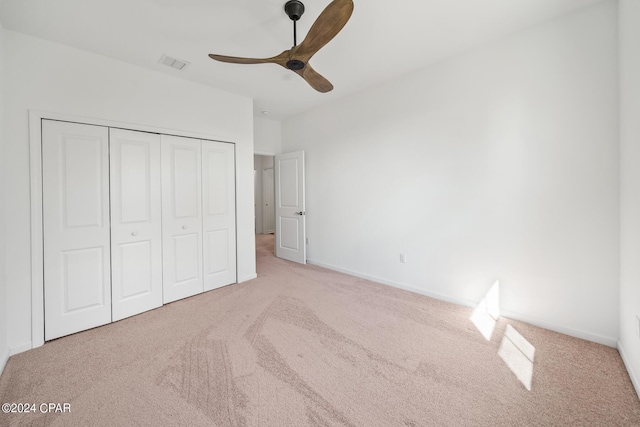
(376, 279)
(247, 278)
(588, 336)
(608, 341)
(627, 364)
(4, 357)
(20, 348)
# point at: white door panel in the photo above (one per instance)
(217, 249)
(135, 277)
(136, 225)
(79, 268)
(290, 207)
(181, 217)
(77, 283)
(289, 237)
(219, 215)
(186, 249)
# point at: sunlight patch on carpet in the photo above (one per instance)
(486, 314)
(518, 354)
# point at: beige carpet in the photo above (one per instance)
(301, 345)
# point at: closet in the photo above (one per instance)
(132, 220)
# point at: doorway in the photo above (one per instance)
(264, 205)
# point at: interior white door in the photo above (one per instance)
(269, 209)
(75, 174)
(290, 207)
(219, 214)
(136, 225)
(181, 217)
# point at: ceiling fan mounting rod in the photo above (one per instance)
(294, 9)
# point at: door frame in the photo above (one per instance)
(267, 154)
(37, 235)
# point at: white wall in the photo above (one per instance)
(501, 163)
(45, 76)
(629, 344)
(4, 348)
(267, 136)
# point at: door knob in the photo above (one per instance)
(299, 213)
(184, 227)
(134, 233)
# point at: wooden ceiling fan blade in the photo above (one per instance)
(238, 60)
(332, 19)
(314, 79)
(279, 59)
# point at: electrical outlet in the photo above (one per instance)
(638, 325)
(403, 259)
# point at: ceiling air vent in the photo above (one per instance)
(178, 64)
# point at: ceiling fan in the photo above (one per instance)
(332, 19)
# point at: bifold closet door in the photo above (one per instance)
(75, 184)
(181, 217)
(219, 214)
(136, 224)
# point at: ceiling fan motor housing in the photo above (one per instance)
(294, 9)
(295, 64)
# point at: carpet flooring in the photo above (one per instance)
(306, 346)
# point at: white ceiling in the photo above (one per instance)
(383, 39)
